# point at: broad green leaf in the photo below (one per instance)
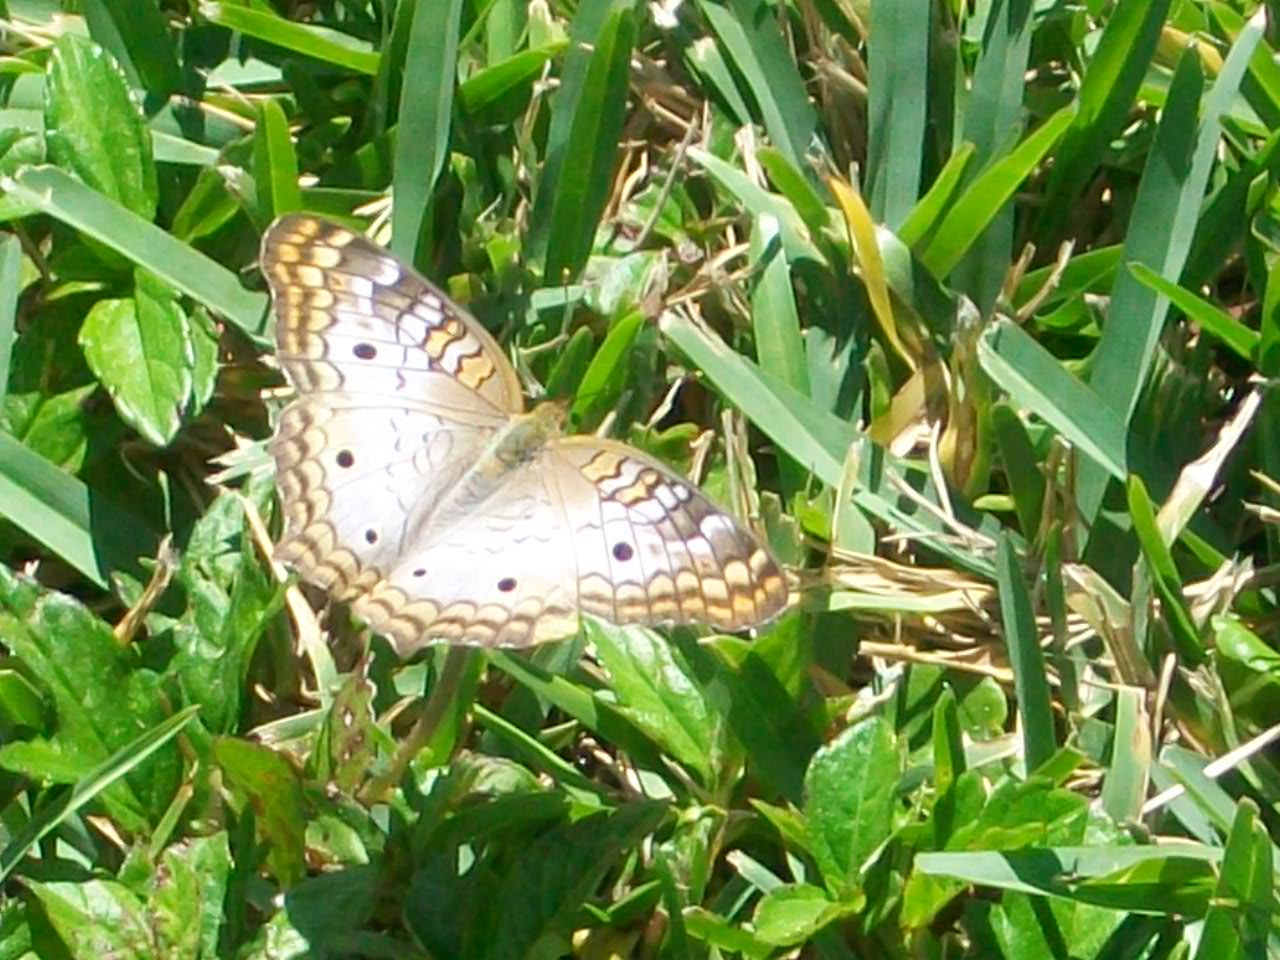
(269, 783)
(546, 884)
(140, 350)
(94, 129)
(792, 914)
(850, 798)
(101, 699)
(661, 695)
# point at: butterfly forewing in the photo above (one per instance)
(351, 317)
(413, 486)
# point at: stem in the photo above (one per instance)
(455, 668)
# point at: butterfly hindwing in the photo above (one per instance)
(498, 574)
(353, 478)
(652, 549)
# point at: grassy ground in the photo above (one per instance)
(977, 318)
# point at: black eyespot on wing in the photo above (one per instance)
(623, 552)
(365, 351)
(507, 584)
(345, 459)
(420, 572)
(371, 536)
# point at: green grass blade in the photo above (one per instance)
(756, 49)
(1112, 77)
(63, 197)
(589, 150)
(275, 165)
(898, 99)
(978, 206)
(76, 522)
(1216, 322)
(1164, 573)
(424, 117)
(10, 287)
(1026, 658)
(1036, 381)
(1026, 482)
(94, 781)
(136, 34)
(1160, 233)
(327, 46)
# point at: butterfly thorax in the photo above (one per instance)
(519, 442)
(523, 437)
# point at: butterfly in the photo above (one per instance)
(415, 485)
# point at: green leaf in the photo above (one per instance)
(93, 782)
(756, 49)
(10, 287)
(268, 782)
(1112, 78)
(80, 524)
(551, 876)
(1164, 574)
(425, 113)
(99, 697)
(607, 375)
(1022, 638)
(898, 104)
(321, 43)
(662, 696)
(60, 195)
(275, 165)
(94, 129)
(793, 914)
(141, 352)
(1238, 921)
(136, 33)
(982, 200)
(850, 798)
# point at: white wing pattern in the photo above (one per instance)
(414, 485)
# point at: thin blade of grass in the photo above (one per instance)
(1026, 658)
(1160, 233)
(1111, 80)
(981, 202)
(424, 118)
(60, 195)
(10, 288)
(753, 44)
(327, 46)
(897, 106)
(70, 519)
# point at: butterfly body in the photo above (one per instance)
(415, 485)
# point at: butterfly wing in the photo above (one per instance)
(400, 392)
(352, 318)
(498, 573)
(358, 478)
(586, 525)
(650, 548)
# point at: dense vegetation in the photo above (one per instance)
(973, 309)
